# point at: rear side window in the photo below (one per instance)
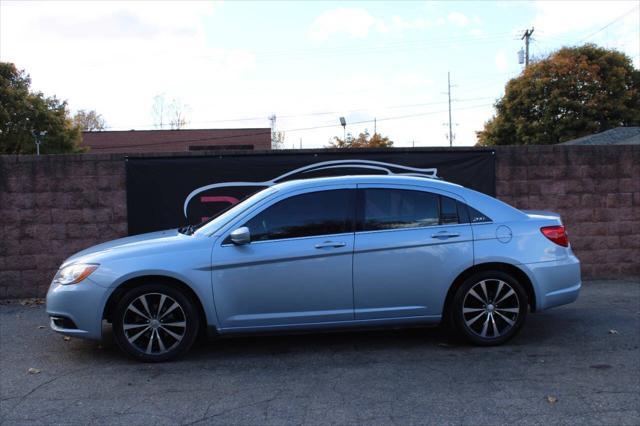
(315, 213)
(397, 208)
(476, 216)
(468, 214)
(463, 212)
(448, 211)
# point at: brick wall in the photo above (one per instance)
(54, 206)
(596, 190)
(145, 141)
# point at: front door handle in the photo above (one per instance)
(443, 235)
(330, 244)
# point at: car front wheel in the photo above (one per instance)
(489, 308)
(155, 322)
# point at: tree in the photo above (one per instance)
(158, 111)
(364, 140)
(277, 140)
(574, 92)
(166, 113)
(89, 121)
(25, 114)
(177, 116)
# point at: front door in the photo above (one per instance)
(297, 268)
(409, 247)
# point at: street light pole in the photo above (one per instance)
(343, 122)
(38, 139)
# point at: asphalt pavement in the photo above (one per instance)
(577, 364)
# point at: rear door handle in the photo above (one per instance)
(330, 244)
(443, 235)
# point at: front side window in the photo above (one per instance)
(398, 208)
(315, 213)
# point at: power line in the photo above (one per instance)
(310, 114)
(399, 117)
(382, 49)
(609, 24)
(268, 132)
(396, 46)
(483, 98)
(400, 46)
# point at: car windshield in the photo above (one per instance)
(215, 223)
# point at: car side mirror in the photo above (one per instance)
(240, 236)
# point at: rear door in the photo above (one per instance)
(409, 246)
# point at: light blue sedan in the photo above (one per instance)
(319, 254)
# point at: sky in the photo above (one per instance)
(381, 65)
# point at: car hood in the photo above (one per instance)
(128, 245)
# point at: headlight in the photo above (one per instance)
(73, 274)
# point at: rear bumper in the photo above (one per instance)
(555, 283)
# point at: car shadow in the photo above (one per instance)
(325, 341)
(318, 342)
(540, 330)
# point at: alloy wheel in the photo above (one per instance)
(490, 308)
(154, 323)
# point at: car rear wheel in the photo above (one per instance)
(489, 308)
(155, 322)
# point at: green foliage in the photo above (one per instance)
(364, 140)
(89, 121)
(24, 113)
(576, 91)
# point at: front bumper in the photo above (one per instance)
(555, 283)
(81, 305)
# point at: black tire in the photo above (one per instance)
(476, 321)
(159, 322)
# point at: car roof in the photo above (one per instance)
(382, 179)
(494, 208)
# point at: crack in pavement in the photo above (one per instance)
(22, 398)
(229, 410)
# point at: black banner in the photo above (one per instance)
(167, 192)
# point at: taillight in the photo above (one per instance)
(557, 234)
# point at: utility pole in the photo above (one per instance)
(375, 125)
(272, 119)
(449, 95)
(526, 37)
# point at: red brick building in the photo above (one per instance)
(135, 141)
